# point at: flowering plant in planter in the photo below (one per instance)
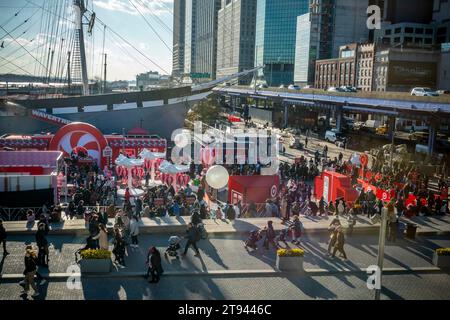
(443, 252)
(95, 254)
(290, 252)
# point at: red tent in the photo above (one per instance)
(252, 188)
(332, 185)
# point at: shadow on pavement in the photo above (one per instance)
(311, 287)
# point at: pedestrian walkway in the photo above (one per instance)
(173, 225)
(225, 255)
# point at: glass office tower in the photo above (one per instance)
(276, 25)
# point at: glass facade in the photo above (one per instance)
(302, 49)
(189, 36)
(178, 38)
(276, 25)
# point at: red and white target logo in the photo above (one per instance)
(79, 136)
(273, 191)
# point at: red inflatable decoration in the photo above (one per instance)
(80, 135)
(364, 159)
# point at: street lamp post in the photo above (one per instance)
(381, 245)
(391, 160)
(65, 182)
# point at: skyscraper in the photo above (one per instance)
(412, 11)
(178, 37)
(189, 35)
(329, 25)
(236, 37)
(200, 47)
(276, 22)
(206, 37)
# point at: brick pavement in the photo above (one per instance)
(348, 287)
(226, 253)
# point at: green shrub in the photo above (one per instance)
(96, 254)
(443, 252)
(290, 252)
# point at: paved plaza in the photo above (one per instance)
(226, 270)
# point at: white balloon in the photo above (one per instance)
(181, 140)
(217, 177)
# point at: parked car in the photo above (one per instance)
(424, 92)
(333, 136)
(293, 87)
(262, 86)
(443, 92)
(283, 86)
(308, 87)
(334, 89)
(347, 89)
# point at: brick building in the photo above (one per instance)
(339, 71)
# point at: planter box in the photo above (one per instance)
(290, 263)
(441, 261)
(95, 265)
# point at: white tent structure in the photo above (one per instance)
(129, 163)
(151, 156)
(172, 169)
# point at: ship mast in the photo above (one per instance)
(80, 9)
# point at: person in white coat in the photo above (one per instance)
(134, 231)
(102, 237)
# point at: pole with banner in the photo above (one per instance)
(381, 245)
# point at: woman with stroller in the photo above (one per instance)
(193, 235)
(154, 265)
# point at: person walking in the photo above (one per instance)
(3, 236)
(392, 222)
(102, 237)
(296, 229)
(30, 261)
(333, 234)
(193, 235)
(339, 245)
(42, 244)
(134, 231)
(138, 207)
(270, 236)
(154, 265)
(119, 248)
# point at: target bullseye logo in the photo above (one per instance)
(273, 191)
(79, 135)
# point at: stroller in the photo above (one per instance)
(284, 234)
(174, 246)
(252, 239)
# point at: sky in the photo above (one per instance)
(23, 44)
